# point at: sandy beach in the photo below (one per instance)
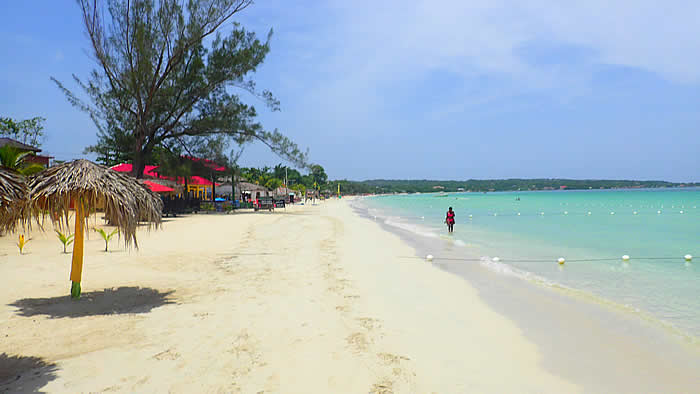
(311, 299)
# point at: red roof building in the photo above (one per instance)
(201, 187)
(157, 187)
(35, 158)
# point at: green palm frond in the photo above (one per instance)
(106, 237)
(15, 159)
(29, 169)
(12, 157)
(65, 240)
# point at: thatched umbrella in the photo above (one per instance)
(13, 198)
(89, 186)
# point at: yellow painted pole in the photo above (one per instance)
(76, 271)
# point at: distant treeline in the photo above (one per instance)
(492, 185)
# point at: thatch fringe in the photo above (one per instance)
(124, 200)
(13, 198)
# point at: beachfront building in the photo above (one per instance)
(251, 191)
(200, 187)
(284, 193)
(35, 157)
(197, 186)
(225, 189)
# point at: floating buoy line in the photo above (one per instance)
(561, 260)
(472, 216)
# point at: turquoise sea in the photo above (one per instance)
(527, 232)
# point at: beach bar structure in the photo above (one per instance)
(157, 187)
(200, 187)
(251, 191)
(226, 189)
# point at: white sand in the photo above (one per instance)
(311, 300)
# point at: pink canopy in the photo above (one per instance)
(157, 187)
(207, 163)
(198, 180)
(126, 167)
(150, 171)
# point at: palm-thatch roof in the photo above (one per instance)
(124, 200)
(250, 187)
(13, 198)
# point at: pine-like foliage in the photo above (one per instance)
(158, 83)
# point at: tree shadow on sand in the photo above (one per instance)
(106, 302)
(24, 374)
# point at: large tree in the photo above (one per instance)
(318, 174)
(293, 176)
(158, 85)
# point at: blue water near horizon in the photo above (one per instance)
(592, 230)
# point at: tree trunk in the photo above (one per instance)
(138, 164)
(213, 187)
(187, 192)
(76, 271)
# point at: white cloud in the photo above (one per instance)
(356, 55)
(484, 36)
(347, 65)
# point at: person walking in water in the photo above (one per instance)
(450, 220)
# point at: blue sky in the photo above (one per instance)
(423, 89)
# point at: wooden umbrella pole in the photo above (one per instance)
(76, 271)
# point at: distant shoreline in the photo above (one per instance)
(388, 186)
(556, 190)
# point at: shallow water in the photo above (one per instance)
(590, 229)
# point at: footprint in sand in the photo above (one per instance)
(336, 289)
(169, 354)
(383, 387)
(358, 340)
(389, 358)
(369, 323)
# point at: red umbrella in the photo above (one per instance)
(198, 180)
(157, 187)
(126, 167)
(208, 163)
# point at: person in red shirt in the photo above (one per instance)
(450, 220)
